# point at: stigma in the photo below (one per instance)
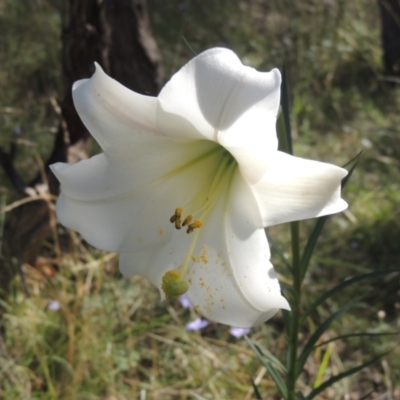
(173, 284)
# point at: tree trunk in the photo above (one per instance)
(390, 17)
(116, 34)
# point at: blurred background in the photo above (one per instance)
(70, 326)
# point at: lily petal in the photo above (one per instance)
(231, 278)
(294, 189)
(123, 200)
(99, 204)
(226, 102)
(111, 112)
(204, 150)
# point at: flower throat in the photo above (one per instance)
(221, 167)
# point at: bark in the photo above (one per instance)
(390, 18)
(116, 34)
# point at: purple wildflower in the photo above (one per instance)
(54, 305)
(185, 302)
(239, 332)
(196, 325)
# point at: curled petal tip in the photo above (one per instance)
(284, 304)
(98, 68)
(276, 75)
(79, 83)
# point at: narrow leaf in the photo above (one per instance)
(310, 246)
(339, 377)
(309, 347)
(356, 160)
(280, 252)
(277, 379)
(189, 46)
(324, 365)
(274, 373)
(286, 112)
(266, 353)
(286, 321)
(257, 393)
(263, 352)
(341, 286)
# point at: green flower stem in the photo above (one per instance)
(295, 313)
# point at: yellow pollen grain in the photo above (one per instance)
(177, 217)
(203, 256)
(161, 231)
(187, 220)
(196, 224)
(223, 303)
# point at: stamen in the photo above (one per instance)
(177, 217)
(173, 284)
(204, 197)
(196, 224)
(187, 220)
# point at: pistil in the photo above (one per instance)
(173, 283)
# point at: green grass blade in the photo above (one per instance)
(279, 252)
(339, 377)
(309, 347)
(323, 366)
(286, 320)
(341, 286)
(310, 246)
(356, 160)
(274, 373)
(262, 352)
(358, 334)
(257, 393)
(277, 379)
(287, 146)
(189, 46)
(353, 160)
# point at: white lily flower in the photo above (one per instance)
(202, 156)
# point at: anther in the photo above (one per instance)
(187, 220)
(196, 224)
(177, 218)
